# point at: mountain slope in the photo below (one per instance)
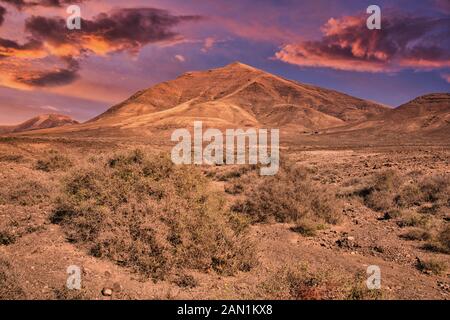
(44, 121)
(425, 114)
(237, 95)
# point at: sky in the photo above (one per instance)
(126, 46)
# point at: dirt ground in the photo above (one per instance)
(37, 252)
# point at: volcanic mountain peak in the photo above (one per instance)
(44, 121)
(235, 95)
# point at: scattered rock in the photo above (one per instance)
(444, 286)
(107, 292)
(346, 243)
(117, 287)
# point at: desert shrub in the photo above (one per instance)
(301, 283)
(444, 238)
(53, 161)
(440, 243)
(357, 290)
(9, 287)
(431, 266)
(379, 200)
(393, 214)
(24, 190)
(379, 194)
(7, 237)
(412, 219)
(184, 280)
(235, 173)
(143, 212)
(306, 227)
(290, 196)
(235, 188)
(388, 191)
(11, 158)
(64, 293)
(416, 234)
(434, 190)
(298, 283)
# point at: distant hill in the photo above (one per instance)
(428, 114)
(44, 121)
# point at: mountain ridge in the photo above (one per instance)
(43, 121)
(429, 113)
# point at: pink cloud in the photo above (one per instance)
(347, 44)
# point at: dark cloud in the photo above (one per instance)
(52, 78)
(120, 30)
(403, 42)
(30, 49)
(48, 37)
(11, 44)
(2, 15)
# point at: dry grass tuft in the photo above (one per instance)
(432, 266)
(388, 191)
(441, 242)
(9, 287)
(53, 161)
(417, 234)
(24, 190)
(299, 283)
(413, 219)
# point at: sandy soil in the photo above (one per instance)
(41, 253)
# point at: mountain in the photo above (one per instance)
(236, 95)
(44, 121)
(426, 114)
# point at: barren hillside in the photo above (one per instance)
(44, 121)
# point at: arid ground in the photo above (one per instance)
(308, 233)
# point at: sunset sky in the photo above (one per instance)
(126, 46)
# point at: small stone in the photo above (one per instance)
(351, 238)
(117, 287)
(107, 292)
